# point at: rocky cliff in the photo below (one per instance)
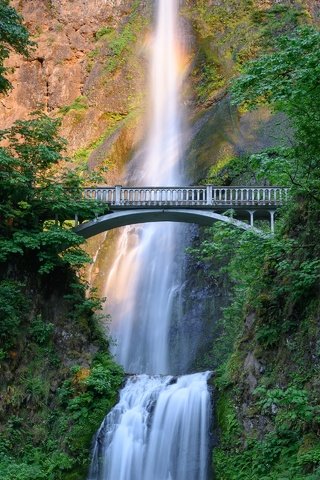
(87, 66)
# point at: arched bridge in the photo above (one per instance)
(203, 205)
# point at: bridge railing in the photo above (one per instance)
(208, 195)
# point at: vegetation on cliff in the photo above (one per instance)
(231, 32)
(267, 355)
(58, 379)
(13, 37)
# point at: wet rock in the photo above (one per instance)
(250, 319)
(61, 69)
(252, 371)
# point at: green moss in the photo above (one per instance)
(210, 80)
(228, 421)
(51, 410)
(120, 46)
(113, 120)
(104, 32)
(121, 43)
(80, 104)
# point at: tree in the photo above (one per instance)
(288, 80)
(13, 37)
(38, 194)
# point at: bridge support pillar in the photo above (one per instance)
(76, 220)
(251, 213)
(272, 217)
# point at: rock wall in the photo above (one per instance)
(68, 72)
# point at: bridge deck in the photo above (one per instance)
(201, 204)
(200, 197)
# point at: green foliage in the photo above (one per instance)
(60, 408)
(276, 21)
(41, 332)
(82, 304)
(290, 406)
(80, 104)
(287, 81)
(280, 455)
(37, 197)
(273, 166)
(276, 280)
(282, 78)
(87, 397)
(13, 308)
(283, 453)
(13, 37)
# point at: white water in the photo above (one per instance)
(142, 283)
(159, 428)
(158, 431)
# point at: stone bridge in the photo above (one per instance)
(203, 205)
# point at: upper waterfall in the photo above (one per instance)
(161, 162)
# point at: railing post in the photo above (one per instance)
(118, 194)
(209, 194)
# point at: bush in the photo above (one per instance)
(13, 310)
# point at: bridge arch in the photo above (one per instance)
(130, 217)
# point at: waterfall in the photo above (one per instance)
(142, 280)
(159, 428)
(157, 431)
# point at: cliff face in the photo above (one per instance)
(56, 72)
(87, 67)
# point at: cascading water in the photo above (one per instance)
(142, 276)
(157, 431)
(159, 428)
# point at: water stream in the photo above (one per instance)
(159, 428)
(157, 431)
(142, 279)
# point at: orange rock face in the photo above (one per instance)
(68, 63)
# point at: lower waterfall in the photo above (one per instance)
(157, 431)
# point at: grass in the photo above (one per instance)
(80, 104)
